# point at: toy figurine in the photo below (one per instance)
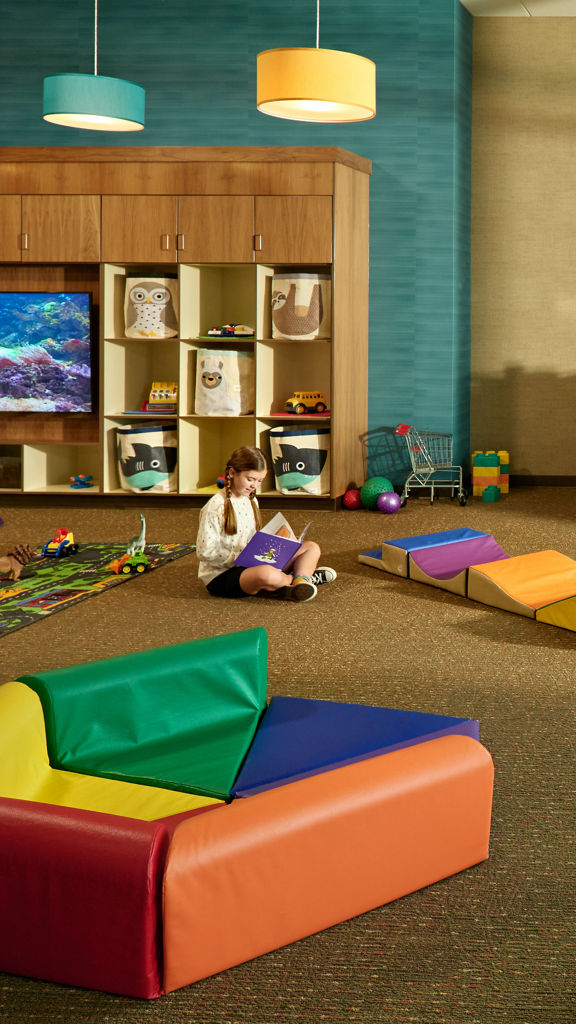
(137, 543)
(11, 564)
(81, 480)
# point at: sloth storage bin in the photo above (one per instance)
(301, 306)
(301, 459)
(147, 458)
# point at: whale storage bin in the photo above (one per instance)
(301, 459)
(301, 306)
(147, 458)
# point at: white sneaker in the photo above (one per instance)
(324, 575)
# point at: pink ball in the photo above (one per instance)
(388, 502)
(352, 499)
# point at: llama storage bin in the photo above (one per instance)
(301, 306)
(224, 382)
(147, 458)
(301, 459)
(150, 306)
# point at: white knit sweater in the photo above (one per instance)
(217, 550)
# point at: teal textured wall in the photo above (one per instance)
(198, 65)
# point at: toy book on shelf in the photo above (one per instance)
(275, 544)
(162, 399)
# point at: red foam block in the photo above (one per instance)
(80, 897)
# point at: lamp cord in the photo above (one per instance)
(95, 37)
(317, 24)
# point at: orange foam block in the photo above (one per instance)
(288, 862)
(524, 583)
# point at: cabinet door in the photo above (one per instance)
(10, 216)
(60, 229)
(216, 229)
(139, 229)
(293, 229)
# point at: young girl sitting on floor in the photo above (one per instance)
(228, 521)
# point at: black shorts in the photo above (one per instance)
(227, 583)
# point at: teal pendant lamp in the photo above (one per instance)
(95, 102)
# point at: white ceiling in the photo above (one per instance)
(521, 8)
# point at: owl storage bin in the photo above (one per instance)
(301, 459)
(224, 382)
(150, 307)
(147, 458)
(301, 306)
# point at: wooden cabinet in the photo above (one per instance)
(222, 221)
(60, 229)
(50, 229)
(293, 229)
(216, 229)
(11, 220)
(139, 228)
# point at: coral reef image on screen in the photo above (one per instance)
(45, 352)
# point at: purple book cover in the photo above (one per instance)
(267, 548)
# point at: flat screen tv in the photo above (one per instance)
(46, 352)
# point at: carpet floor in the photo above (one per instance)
(493, 945)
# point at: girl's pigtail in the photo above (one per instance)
(230, 524)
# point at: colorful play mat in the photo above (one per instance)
(50, 584)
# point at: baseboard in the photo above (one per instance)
(542, 481)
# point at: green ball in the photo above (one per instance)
(372, 489)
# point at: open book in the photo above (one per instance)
(266, 547)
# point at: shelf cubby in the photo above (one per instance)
(129, 367)
(214, 295)
(287, 366)
(48, 468)
(208, 442)
(114, 287)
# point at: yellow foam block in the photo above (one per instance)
(389, 557)
(524, 583)
(561, 613)
(26, 774)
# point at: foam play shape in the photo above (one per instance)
(25, 773)
(560, 613)
(524, 583)
(320, 851)
(446, 565)
(181, 716)
(79, 897)
(393, 555)
(299, 737)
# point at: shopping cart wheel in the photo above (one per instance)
(462, 500)
(403, 501)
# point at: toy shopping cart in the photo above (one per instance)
(432, 463)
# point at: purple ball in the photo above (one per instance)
(388, 502)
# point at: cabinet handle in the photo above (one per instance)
(180, 242)
(164, 242)
(24, 240)
(258, 243)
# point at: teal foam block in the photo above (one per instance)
(298, 738)
(181, 716)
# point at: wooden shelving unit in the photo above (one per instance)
(222, 222)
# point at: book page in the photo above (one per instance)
(276, 523)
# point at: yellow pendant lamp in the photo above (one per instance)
(311, 84)
(94, 101)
